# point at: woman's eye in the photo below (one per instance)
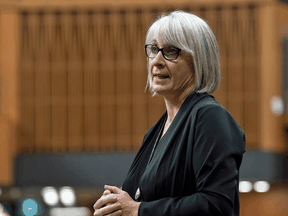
(154, 49)
(171, 50)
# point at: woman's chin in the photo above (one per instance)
(161, 90)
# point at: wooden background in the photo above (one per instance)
(83, 74)
(73, 74)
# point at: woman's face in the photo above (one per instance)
(170, 78)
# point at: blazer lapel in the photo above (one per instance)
(181, 117)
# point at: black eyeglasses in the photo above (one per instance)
(169, 52)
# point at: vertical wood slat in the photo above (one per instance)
(75, 83)
(251, 73)
(89, 95)
(235, 73)
(92, 83)
(107, 83)
(9, 93)
(59, 93)
(123, 75)
(27, 87)
(42, 84)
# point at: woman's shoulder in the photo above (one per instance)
(211, 111)
(208, 102)
(208, 107)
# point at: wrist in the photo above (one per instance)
(136, 208)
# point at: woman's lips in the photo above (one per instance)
(161, 76)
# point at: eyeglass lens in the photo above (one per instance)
(169, 53)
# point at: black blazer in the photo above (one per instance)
(195, 167)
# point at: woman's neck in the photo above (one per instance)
(173, 104)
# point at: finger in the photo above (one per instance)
(107, 210)
(104, 200)
(108, 204)
(117, 213)
(113, 189)
(106, 192)
(103, 206)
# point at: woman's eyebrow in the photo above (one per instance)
(154, 42)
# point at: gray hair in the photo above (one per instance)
(193, 35)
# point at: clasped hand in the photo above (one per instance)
(115, 202)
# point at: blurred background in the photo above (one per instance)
(73, 111)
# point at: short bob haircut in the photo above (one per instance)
(192, 35)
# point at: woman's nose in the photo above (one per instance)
(159, 60)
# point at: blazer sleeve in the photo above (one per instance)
(219, 144)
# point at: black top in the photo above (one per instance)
(195, 166)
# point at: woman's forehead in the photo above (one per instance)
(155, 37)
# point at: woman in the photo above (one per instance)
(189, 160)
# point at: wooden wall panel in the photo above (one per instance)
(59, 85)
(271, 85)
(235, 64)
(7, 150)
(27, 87)
(84, 74)
(42, 82)
(108, 83)
(9, 93)
(251, 73)
(75, 85)
(124, 52)
(91, 72)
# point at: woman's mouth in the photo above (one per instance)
(160, 76)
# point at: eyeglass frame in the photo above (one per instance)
(161, 49)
